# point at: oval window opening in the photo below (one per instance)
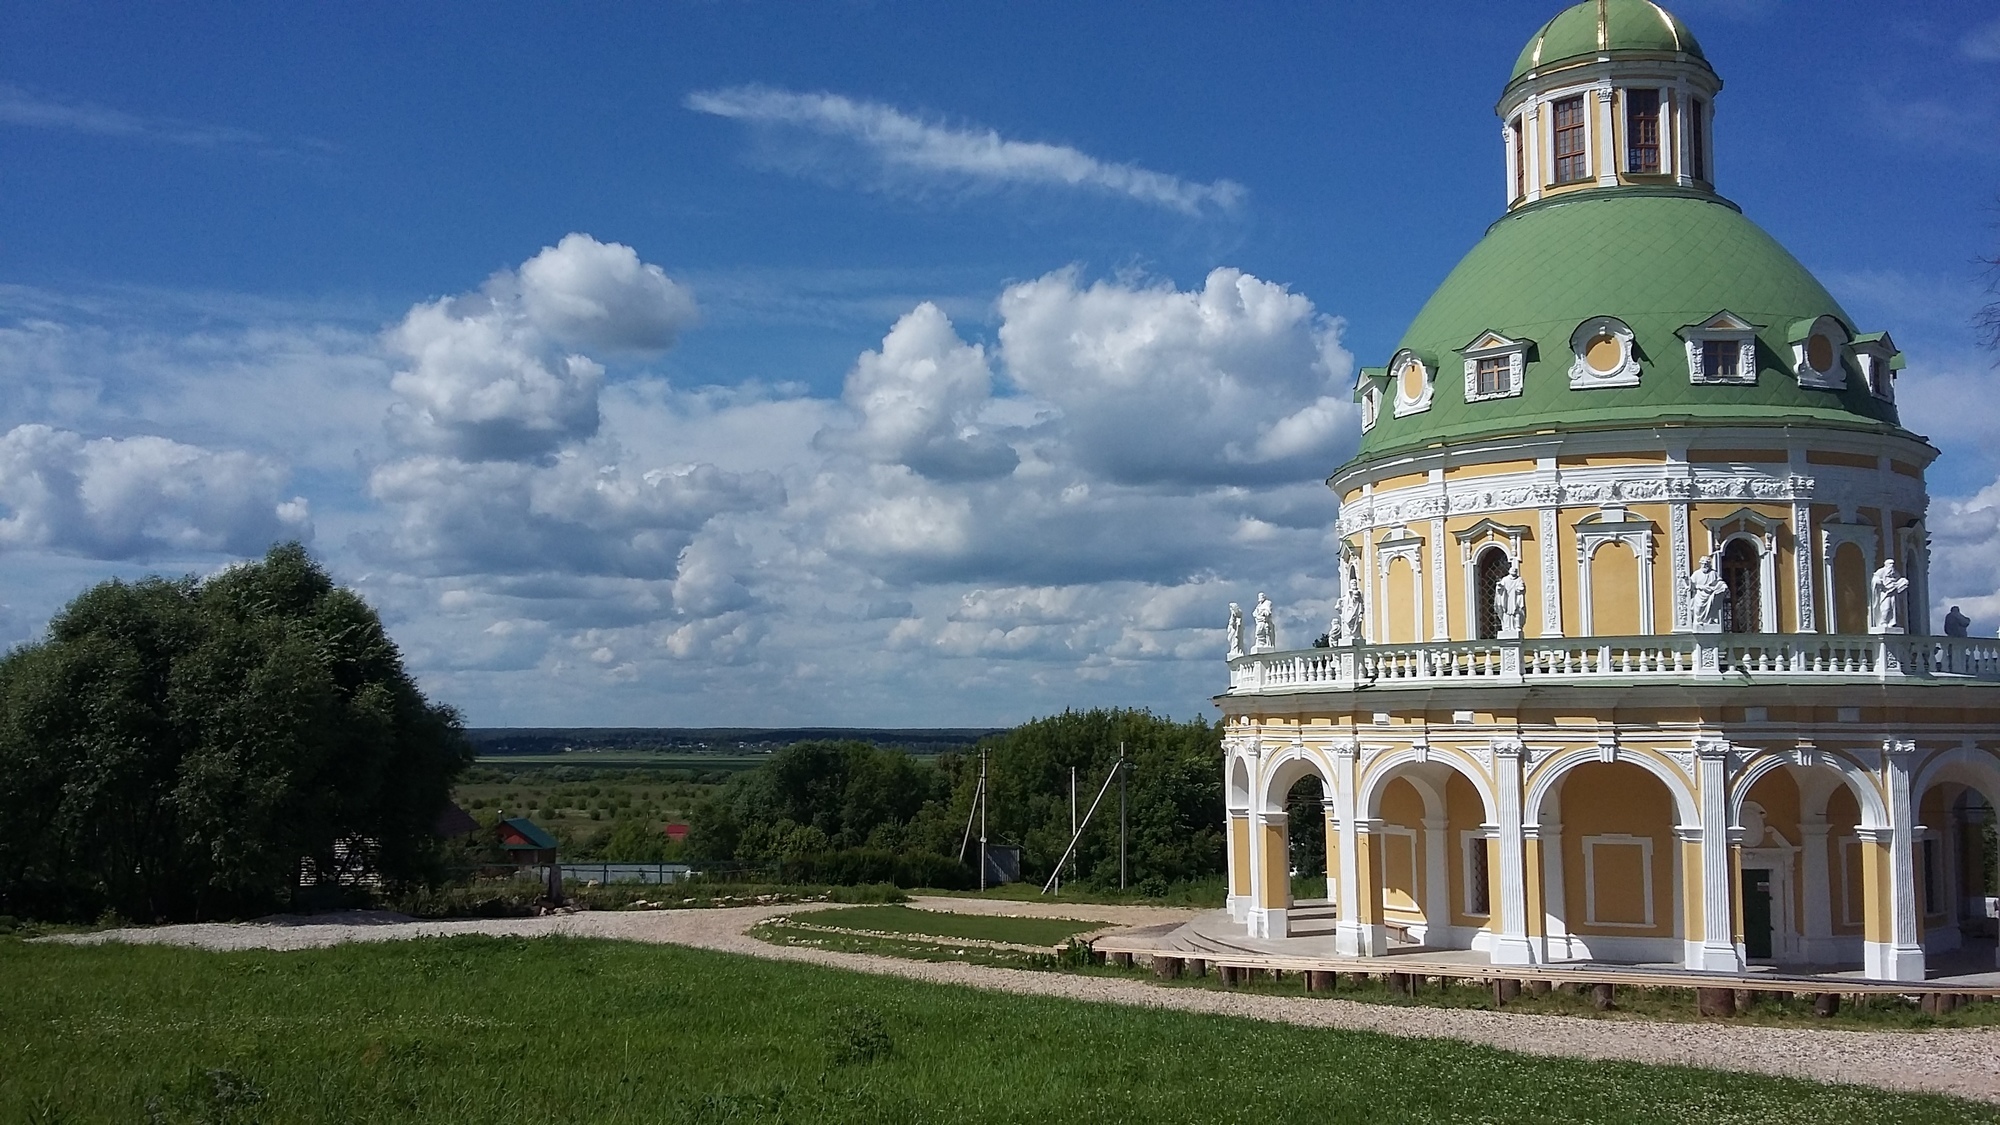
(1413, 382)
(1604, 354)
(1819, 353)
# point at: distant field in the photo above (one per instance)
(628, 759)
(509, 1030)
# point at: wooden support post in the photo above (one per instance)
(1745, 999)
(1400, 984)
(1166, 968)
(1601, 995)
(1198, 966)
(1541, 987)
(1230, 974)
(1826, 1004)
(1938, 1003)
(1121, 960)
(1321, 981)
(1715, 1001)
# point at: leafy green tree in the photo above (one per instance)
(1173, 794)
(179, 748)
(815, 797)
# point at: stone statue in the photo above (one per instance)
(1957, 624)
(1510, 602)
(1235, 630)
(1347, 613)
(1267, 630)
(1885, 599)
(1707, 598)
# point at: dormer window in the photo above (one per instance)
(1879, 360)
(1642, 132)
(1571, 164)
(1413, 377)
(1722, 349)
(1817, 345)
(1604, 353)
(1493, 366)
(1368, 392)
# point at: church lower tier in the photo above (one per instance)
(1830, 822)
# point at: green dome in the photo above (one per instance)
(1598, 27)
(1657, 259)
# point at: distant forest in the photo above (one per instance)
(496, 741)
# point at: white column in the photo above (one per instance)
(1511, 945)
(1332, 808)
(1349, 936)
(1440, 626)
(1802, 566)
(1717, 951)
(1254, 825)
(1548, 496)
(1609, 158)
(1556, 945)
(1902, 957)
(1817, 925)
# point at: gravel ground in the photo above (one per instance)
(1962, 1062)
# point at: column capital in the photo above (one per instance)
(1712, 749)
(1898, 749)
(1274, 819)
(1688, 833)
(1369, 825)
(1508, 748)
(1344, 748)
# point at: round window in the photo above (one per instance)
(1819, 353)
(1413, 382)
(1604, 353)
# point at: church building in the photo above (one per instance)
(1633, 657)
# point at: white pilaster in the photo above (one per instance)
(1511, 946)
(1268, 921)
(1440, 628)
(1349, 936)
(1437, 880)
(1902, 956)
(1817, 925)
(1717, 951)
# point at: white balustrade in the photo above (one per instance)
(1672, 657)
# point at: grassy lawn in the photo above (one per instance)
(561, 1030)
(905, 920)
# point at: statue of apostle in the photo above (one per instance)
(1885, 599)
(1707, 598)
(1267, 630)
(1235, 630)
(1510, 602)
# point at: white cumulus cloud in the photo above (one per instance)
(907, 145)
(1239, 381)
(917, 401)
(122, 498)
(493, 375)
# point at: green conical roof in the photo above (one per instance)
(1601, 27)
(1657, 259)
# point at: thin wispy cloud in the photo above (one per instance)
(1982, 43)
(22, 108)
(909, 145)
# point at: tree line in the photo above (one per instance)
(852, 811)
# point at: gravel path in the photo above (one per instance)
(1962, 1062)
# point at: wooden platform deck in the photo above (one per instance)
(1213, 941)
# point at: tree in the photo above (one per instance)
(179, 748)
(1987, 319)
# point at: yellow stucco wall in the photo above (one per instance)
(1616, 799)
(1403, 851)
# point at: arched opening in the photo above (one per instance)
(1614, 590)
(1306, 851)
(1490, 568)
(1957, 860)
(1430, 858)
(1742, 575)
(1850, 589)
(1611, 870)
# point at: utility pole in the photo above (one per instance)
(1072, 817)
(982, 818)
(1121, 816)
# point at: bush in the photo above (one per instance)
(850, 866)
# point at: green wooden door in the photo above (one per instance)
(1757, 912)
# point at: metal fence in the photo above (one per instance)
(613, 872)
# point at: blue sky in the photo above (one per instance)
(841, 363)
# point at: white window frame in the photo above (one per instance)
(1468, 839)
(1834, 378)
(1877, 359)
(1723, 327)
(1584, 377)
(1493, 345)
(1404, 404)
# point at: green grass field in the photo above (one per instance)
(905, 920)
(560, 1030)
